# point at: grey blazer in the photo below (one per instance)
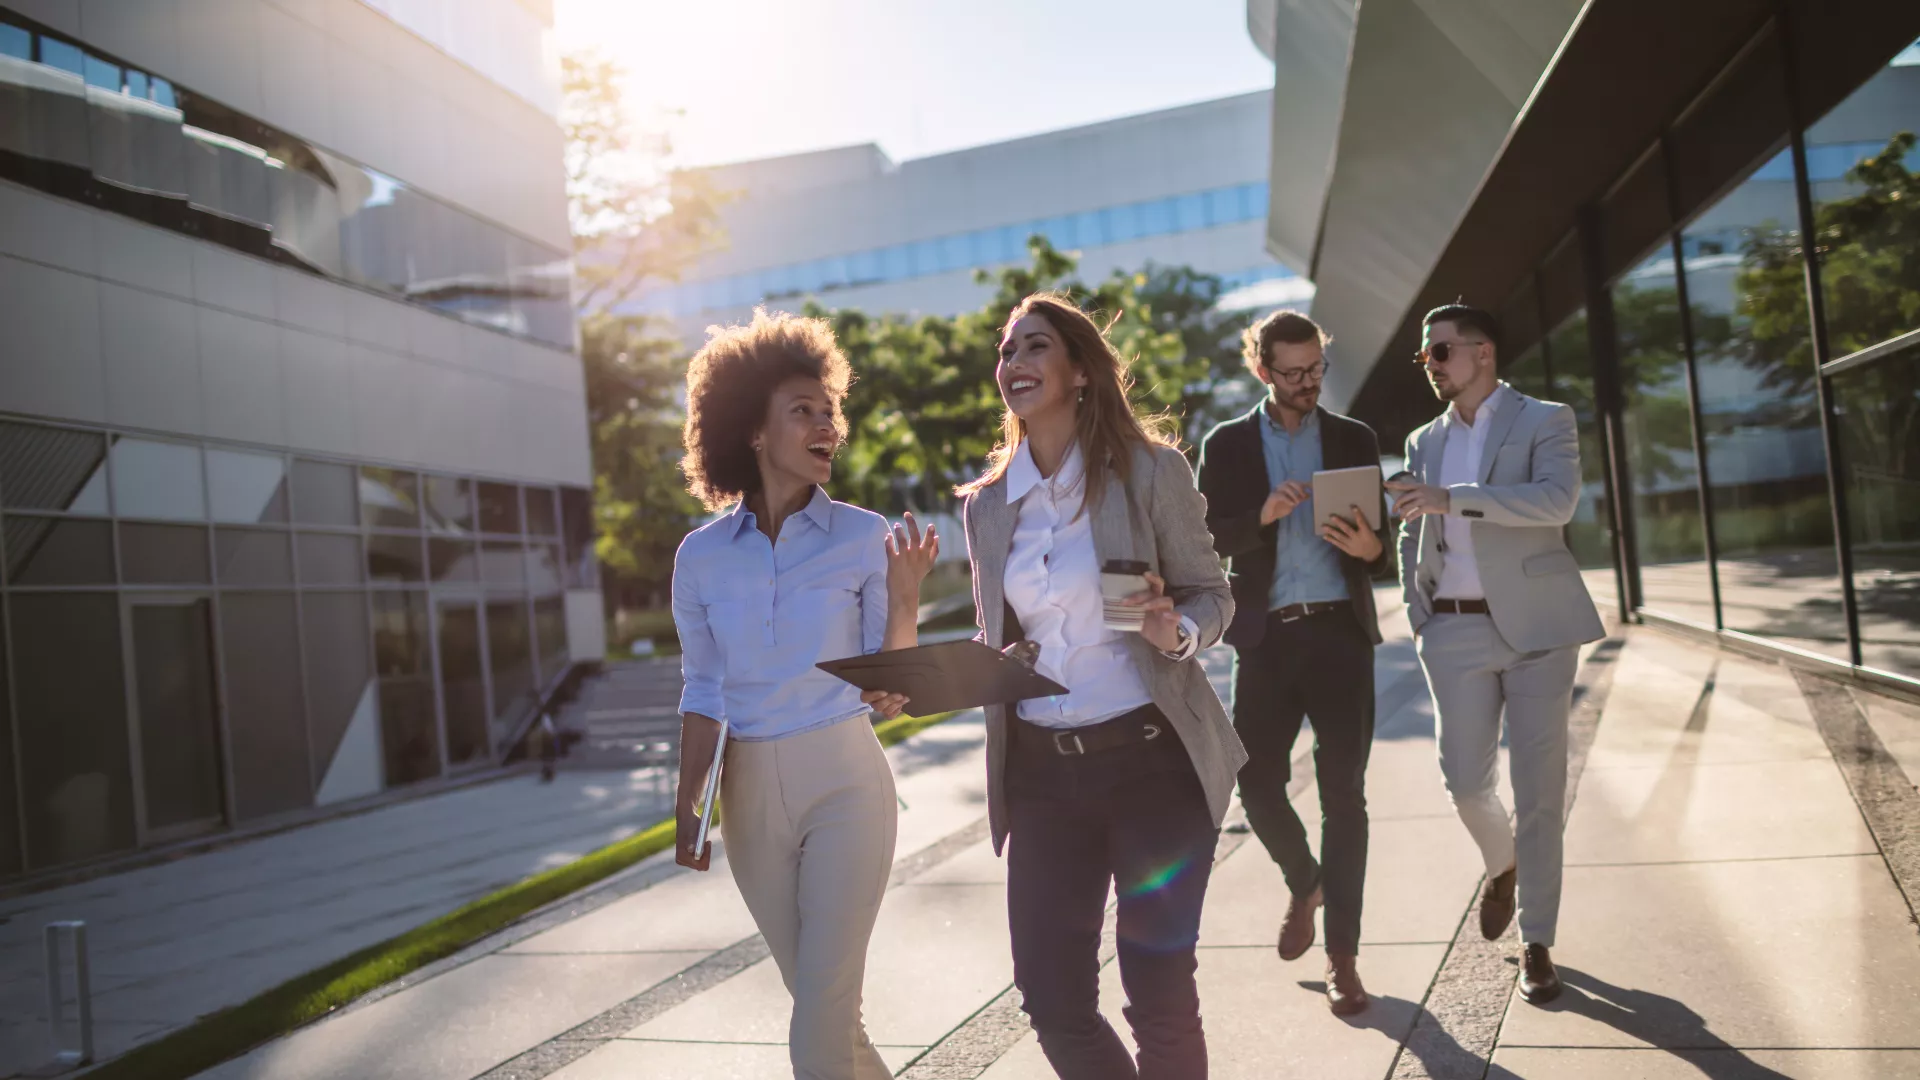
(1528, 486)
(1157, 517)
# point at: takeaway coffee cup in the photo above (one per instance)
(1119, 579)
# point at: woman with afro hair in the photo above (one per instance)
(785, 578)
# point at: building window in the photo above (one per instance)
(126, 140)
(1760, 418)
(1590, 534)
(1657, 422)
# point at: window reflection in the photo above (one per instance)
(1878, 411)
(247, 488)
(44, 468)
(1590, 534)
(1766, 456)
(1864, 164)
(1657, 422)
(157, 480)
(81, 125)
(978, 247)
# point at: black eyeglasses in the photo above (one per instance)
(1442, 351)
(1296, 376)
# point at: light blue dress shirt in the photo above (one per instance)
(1306, 569)
(754, 616)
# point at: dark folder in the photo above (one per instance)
(946, 677)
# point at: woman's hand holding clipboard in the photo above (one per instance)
(703, 751)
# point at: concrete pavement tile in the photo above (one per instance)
(958, 931)
(1682, 811)
(1897, 725)
(688, 911)
(460, 1024)
(1783, 953)
(623, 1059)
(977, 865)
(1262, 1023)
(1569, 1064)
(1755, 712)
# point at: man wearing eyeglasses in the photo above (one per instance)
(1303, 631)
(1499, 611)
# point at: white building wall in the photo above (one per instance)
(112, 321)
(1222, 250)
(853, 199)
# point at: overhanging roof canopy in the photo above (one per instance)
(1308, 42)
(1707, 73)
(1428, 91)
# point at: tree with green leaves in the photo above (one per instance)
(925, 410)
(634, 224)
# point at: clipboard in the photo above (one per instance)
(1335, 491)
(710, 792)
(947, 677)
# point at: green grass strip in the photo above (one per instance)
(233, 1031)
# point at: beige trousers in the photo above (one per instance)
(809, 823)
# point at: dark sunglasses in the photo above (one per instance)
(1442, 351)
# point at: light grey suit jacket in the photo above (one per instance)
(1528, 486)
(1157, 517)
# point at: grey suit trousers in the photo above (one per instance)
(1474, 674)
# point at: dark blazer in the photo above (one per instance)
(1233, 477)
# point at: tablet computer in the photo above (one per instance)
(1338, 491)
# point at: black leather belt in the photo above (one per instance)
(1459, 607)
(1143, 725)
(1292, 612)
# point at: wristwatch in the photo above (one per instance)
(1183, 643)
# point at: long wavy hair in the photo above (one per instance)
(1106, 425)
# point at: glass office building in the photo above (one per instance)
(293, 461)
(851, 227)
(1703, 232)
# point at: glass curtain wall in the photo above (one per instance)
(1590, 534)
(1864, 173)
(1760, 415)
(1656, 419)
(201, 635)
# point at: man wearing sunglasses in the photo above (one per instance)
(1499, 611)
(1303, 631)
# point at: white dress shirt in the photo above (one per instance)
(1466, 445)
(1053, 583)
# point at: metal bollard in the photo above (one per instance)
(83, 993)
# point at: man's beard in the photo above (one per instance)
(1446, 391)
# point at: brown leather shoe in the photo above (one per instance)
(1496, 904)
(1296, 930)
(1539, 982)
(1345, 995)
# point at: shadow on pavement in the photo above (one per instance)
(1661, 1022)
(1439, 1054)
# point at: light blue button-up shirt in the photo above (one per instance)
(1306, 569)
(754, 616)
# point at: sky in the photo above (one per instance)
(731, 80)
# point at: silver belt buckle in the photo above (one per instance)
(1060, 743)
(1295, 618)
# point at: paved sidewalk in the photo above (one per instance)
(1731, 911)
(176, 940)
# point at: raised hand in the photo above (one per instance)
(910, 555)
(1282, 500)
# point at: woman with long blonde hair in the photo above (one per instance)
(1123, 780)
